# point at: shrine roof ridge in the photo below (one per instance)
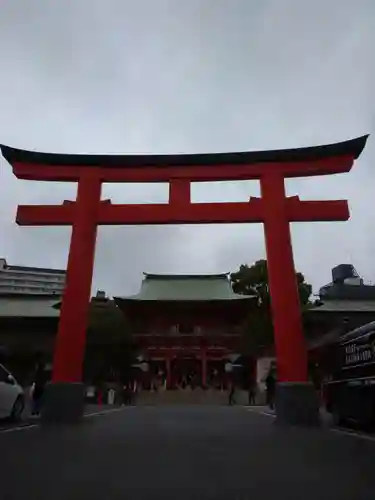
(352, 147)
(185, 288)
(167, 276)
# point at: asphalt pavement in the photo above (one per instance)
(184, 452)
(29, 419)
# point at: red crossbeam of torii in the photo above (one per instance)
(274, 209)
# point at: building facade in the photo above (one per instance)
(27, 280)
(28, 327)
(344, 304)
(177, 329)
(186, 329)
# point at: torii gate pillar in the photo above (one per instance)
(296, 401)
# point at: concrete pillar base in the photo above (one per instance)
(63, 403)
(296, 403)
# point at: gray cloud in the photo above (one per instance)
(197, 76)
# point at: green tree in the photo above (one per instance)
(253, 280)
(109, 341)
(107, 324)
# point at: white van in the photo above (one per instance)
(12, 398)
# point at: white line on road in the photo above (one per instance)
(337, 430)
(359, 435)
(20, 428)
(260, 412)
(26, 427)
(104, 412)
(344, 432)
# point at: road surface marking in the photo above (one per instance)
(337, 430)
(103, 412)
(358, 435)
(260, 412)
(19, 428)
(33, 426)
(345, 432)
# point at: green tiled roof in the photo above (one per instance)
(172, 287)
(28, 306)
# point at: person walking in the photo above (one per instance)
(232, 394)
(271, 389)
(40, 380)
(134, 392)
(125, 394)
(131, 393)
(252, 392)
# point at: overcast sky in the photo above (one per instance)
(172, 76)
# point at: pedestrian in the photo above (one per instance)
(111, 396)
(252, 392)
(128, 393)
(271, 389)
(232, 393)
(40, 380)
(135, 392)
(125, 394)
(131, 393)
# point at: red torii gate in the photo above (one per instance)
(296, 400)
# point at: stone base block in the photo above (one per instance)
(297, 404)
(63, 403)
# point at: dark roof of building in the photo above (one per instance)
(325, 340)
(171, 287)
(341, 335)
(171, 277)
(342, 306)
(36, 269)
(343, 291)
(367, 329)
(351, 147)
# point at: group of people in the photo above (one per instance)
(270, 382)
(252, 390)
(128, 393)
(41, 377)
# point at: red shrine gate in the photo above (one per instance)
(274, 209)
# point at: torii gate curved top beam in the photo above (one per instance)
(318, 160)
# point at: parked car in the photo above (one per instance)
(350, 389)
(12, 397)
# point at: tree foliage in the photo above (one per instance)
(109, 352)
(107, 323)
(253, 280)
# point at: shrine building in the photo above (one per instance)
(186, 327)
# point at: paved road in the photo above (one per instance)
(29, 419)
(184, 453)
